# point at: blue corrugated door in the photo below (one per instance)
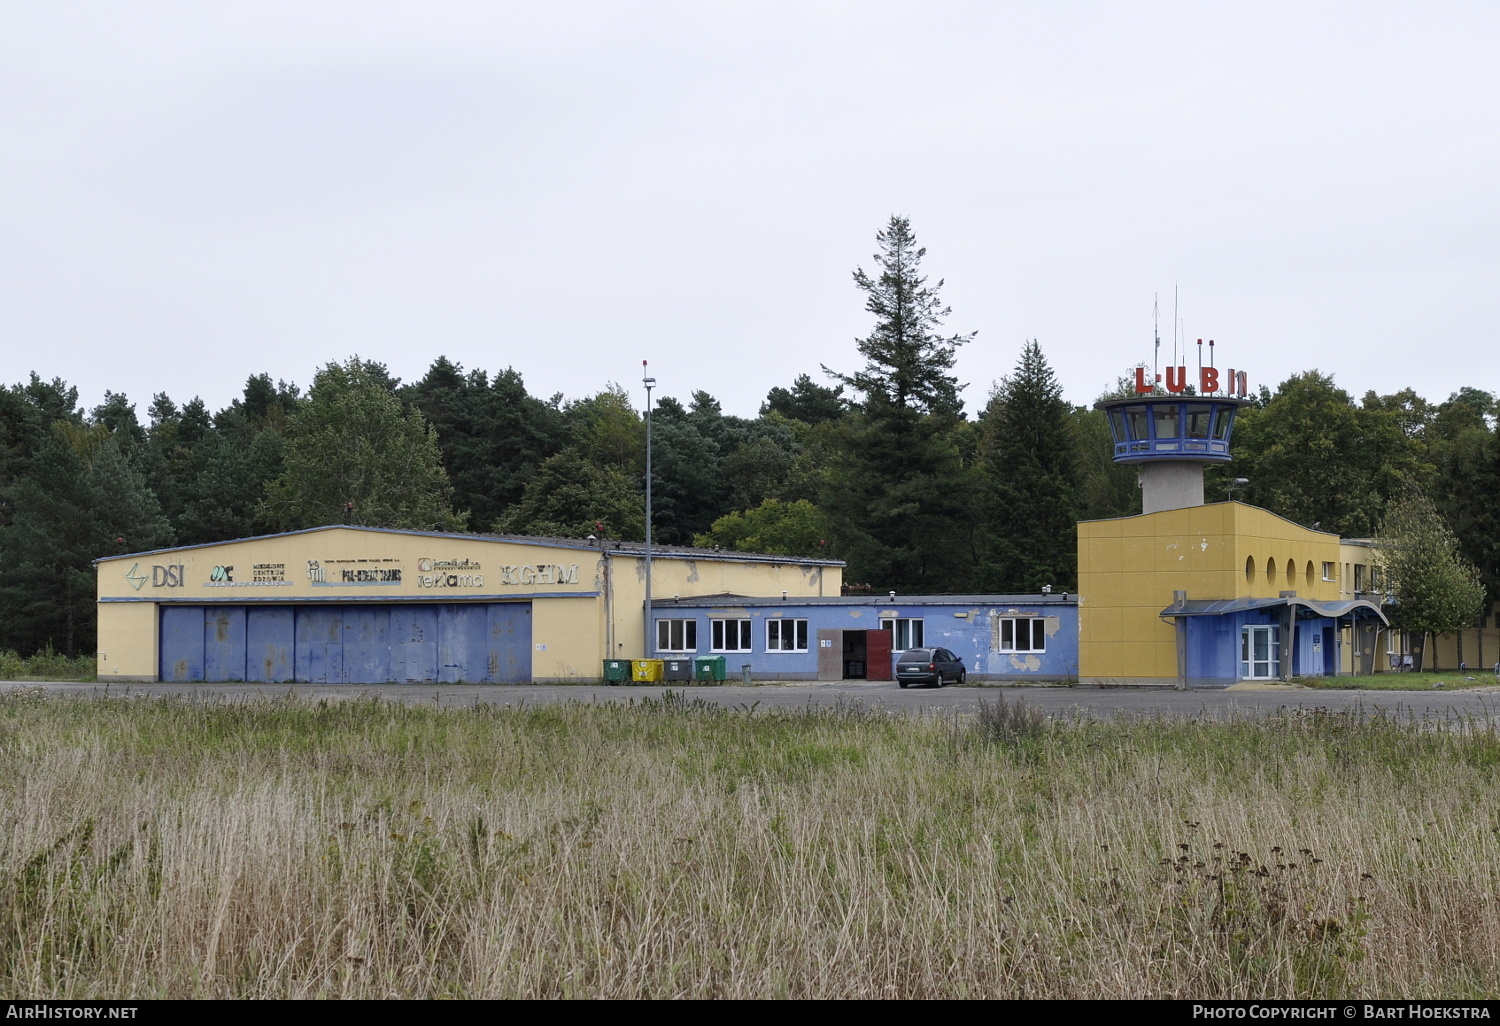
(269, 637)
(462, 638)
(223, 643)
(320, 645)
(181, 643)
(353, 644)
(367, 645)
(509, 656)
(414, 643)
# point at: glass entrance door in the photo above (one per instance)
(1260, 653)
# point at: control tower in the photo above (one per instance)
(1172, 437)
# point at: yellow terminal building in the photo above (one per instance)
(1203, 595)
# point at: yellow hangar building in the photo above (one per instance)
(361, 604)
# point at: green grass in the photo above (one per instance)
(165, 848)
(1405, 681)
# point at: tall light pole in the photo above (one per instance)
(650, 383)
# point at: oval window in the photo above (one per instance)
(1310, 577)
(1291, 573)
(1249, 568)
(1270, 571)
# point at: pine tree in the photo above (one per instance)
(907, 360)
(900, 495)
(353, 455)
(1029, 452)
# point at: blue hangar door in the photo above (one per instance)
(348, 644)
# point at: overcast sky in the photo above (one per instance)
(193, 193)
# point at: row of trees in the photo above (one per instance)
(881, 466)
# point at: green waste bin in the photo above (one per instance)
(711, 668)
(677, 669)
(645, 671)
(616, 671)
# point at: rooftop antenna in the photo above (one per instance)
(1176, 322)
(1156, 322)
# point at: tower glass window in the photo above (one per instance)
(1166, 421)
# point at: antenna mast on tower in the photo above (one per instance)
(1156, 323)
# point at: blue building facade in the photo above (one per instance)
(999, 637)
(1231, 640)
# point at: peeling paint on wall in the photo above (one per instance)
(1031, 663)
(692, 571)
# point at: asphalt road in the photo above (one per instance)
(1101, 702)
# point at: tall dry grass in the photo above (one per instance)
(284, 849)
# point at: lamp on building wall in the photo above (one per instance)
(650, 383)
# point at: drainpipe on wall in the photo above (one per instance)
(609, 604)
(1179, 599)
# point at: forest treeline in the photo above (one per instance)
(880, 466)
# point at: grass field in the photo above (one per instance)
(1449, 679)
(160, 848)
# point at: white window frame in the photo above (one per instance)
(1330, 569)
(1036, 625)
(779, 627)
(719, 631)
(686, 639)
(912, 625)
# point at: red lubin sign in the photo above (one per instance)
(1235, 383)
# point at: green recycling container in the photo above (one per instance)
(710, 668)
(616, 671)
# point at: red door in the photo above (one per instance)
(878, 655)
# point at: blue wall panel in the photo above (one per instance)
(269, 640)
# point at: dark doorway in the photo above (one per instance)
(855, 651)
(866, 655)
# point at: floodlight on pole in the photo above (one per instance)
(650, 383)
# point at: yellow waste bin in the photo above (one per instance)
(645, 671)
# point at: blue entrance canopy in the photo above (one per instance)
(1305, 607)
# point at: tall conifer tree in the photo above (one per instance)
(900, 497)
(1029, 451)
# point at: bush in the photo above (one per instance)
(1009, 723)
(46, 665)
